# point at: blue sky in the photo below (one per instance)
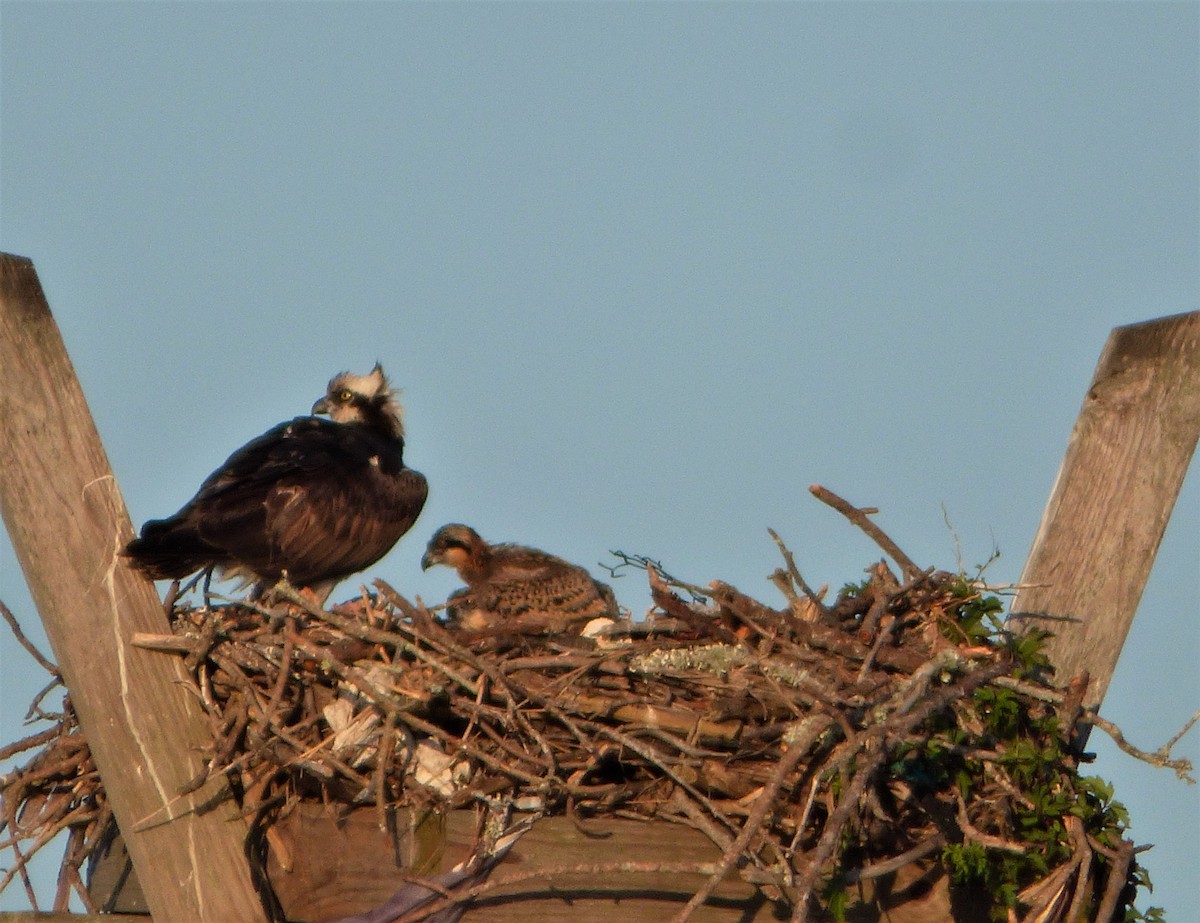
(644, 271)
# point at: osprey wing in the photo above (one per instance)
(317, 499)
(531, 588)
(229, 503)
(302, 444)
(332, 527)
(229, 512)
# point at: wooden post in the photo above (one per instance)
(67, 521)
(1109, 507)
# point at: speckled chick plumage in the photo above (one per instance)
(514, 586)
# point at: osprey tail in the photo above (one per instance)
(169, 549)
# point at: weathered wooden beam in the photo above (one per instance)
(324, 867)
(67, 521)
(1114, 494)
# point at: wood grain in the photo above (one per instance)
(344, 864)
(1123, 469)
(918, 894)
(67, 521)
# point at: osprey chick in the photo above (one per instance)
(311, 499)
(514, 586)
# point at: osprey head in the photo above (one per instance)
(366, 399)
(454, 545)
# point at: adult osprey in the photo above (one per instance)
(511, 586)
(314, 500)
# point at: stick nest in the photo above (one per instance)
(818, 745)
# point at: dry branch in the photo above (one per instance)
(815, 750)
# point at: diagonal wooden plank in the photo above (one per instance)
(67, 520)
(1124, 466)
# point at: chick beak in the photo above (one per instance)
(321, 406)
(427, 560)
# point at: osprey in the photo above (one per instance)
(312, 500)
(514, 586)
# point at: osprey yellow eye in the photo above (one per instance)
(345, 395)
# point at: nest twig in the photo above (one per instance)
(817, 745)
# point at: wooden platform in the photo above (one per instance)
(322, 869)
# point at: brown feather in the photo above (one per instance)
(514, 585)
(314, 499)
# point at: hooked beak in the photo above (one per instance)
(428, 560)
(321, 406)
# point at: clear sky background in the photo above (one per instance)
(644, 273)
